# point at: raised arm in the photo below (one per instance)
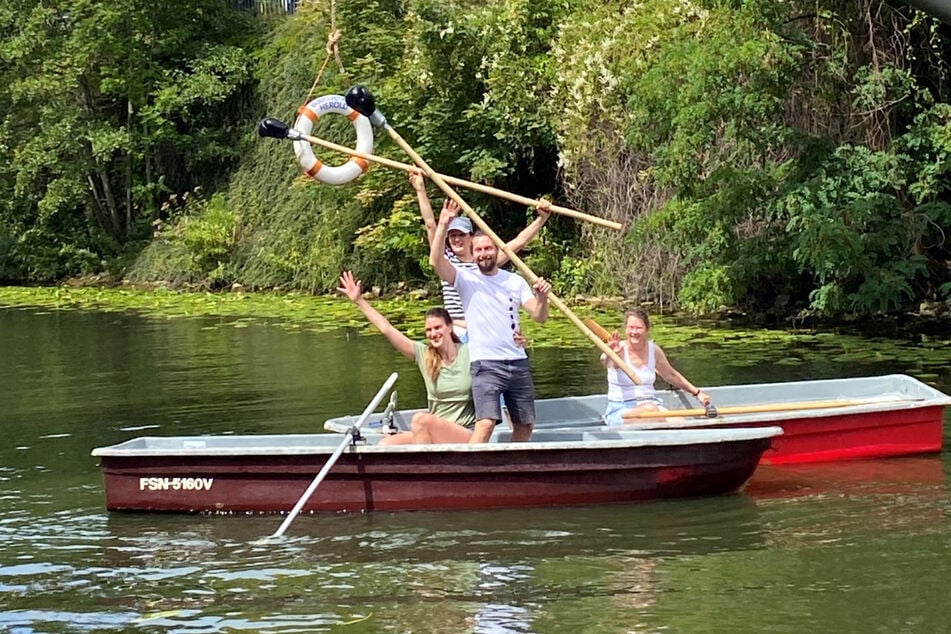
(675, 378)
(437, 250)
(418, 181)
(527, 234)
(537, 306)
(354, 292)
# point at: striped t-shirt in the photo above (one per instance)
(450, 296)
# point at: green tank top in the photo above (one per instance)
(450, 397)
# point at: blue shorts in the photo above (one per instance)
(612, 415)
(510, 380)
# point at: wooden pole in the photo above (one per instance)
(752, 409)
(519, 264)
(458, 182)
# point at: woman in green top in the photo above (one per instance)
(444, 364)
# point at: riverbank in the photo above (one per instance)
(925, 351)
(931, 318)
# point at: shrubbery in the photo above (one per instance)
(770, 156)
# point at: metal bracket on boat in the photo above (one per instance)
(356, 437)
(387, 426)
(710, 410)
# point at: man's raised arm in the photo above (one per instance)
(528, 233)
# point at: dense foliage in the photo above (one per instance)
(777, 157)
(110, 110)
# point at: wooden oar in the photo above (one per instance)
(360, 99)
(597, 329)
(751, 409)
(273, 128)
(347, 439)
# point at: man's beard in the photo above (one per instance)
(486, 265)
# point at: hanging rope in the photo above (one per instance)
(333, 51)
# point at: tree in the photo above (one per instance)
(110, 108)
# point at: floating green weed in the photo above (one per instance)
(926, 357)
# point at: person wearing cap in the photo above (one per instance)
(492, 299)
(458, 246)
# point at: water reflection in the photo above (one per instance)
(482, 571)
(664, 528)
(895, 496)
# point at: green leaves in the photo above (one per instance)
(109, 107)
(754, 149)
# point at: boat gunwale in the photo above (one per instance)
(629, 440)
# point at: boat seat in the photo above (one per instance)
(570, 411)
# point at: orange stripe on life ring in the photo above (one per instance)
(363, 163)
(307, 112)
(312, 172)
(353, 115)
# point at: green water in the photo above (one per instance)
(848, 547)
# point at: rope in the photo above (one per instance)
(333, 51)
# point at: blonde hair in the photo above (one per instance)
(431, 358)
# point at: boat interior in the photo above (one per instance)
(893, 391)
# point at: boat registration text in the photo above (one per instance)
(175, 484)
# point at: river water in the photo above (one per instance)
(853, 547)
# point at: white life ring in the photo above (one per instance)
(313, 166)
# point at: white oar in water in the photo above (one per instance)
(334, 457)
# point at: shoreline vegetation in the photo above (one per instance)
(788, 159)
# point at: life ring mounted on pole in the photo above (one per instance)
(313, 166)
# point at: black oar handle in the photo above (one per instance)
(361, 99)
(277, 129)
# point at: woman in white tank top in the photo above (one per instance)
(647, 360)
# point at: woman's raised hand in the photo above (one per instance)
(615, 342)
(417, 180)
(450, 209)
(352, 289)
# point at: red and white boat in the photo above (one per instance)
(822, 421)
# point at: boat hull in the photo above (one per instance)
(860, 436)
(437, 477)
(892, 415)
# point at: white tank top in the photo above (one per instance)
(622, 388)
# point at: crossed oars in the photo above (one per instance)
(360, 99)
(275, 128)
